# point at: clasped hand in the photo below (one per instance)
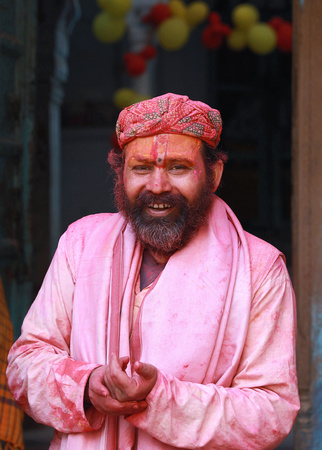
(112, 391)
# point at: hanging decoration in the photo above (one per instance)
(117, 8)
(244, 16)
(283, 31)
(173, 21)
(149, 52)
(197, 12)
(237, 40)
(135, 63)
(178, 9)
(158, 14)
(213, 35)
(261, 38)
(109, 25)
(249, 32)
(108, 29)
(124, 97)
(173, 33)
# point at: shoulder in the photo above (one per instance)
(266, 261)
(86, 225)
(75, 238)
(259, 249)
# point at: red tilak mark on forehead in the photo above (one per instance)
(159, 149)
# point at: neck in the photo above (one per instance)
(159, 258)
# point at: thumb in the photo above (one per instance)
(145, 370)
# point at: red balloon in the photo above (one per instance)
(148, 52)
(212, 35)
(135, 64)
(276, 22)
(158, 14)
(223, 29)
(211, 39)
(284, 38)
(214, 18)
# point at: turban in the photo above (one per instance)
(169, 113)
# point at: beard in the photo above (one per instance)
(165, 235)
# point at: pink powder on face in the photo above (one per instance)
(163, 149)
(159, 149)
(197, 173)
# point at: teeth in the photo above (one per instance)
(160, 206)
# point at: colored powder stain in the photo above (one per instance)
(160, 159)
(160, 148)
(154, 149)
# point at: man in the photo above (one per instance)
(167, 325)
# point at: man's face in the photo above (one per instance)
(164, 163)
(167, 194)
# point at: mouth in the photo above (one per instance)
(159, 209)
(160, 206)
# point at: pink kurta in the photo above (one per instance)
(219, 324)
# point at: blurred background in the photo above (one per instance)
(69, 66)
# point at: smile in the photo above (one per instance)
(160, 206)
(159, 209)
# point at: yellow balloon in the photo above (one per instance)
(244, 16)
(124, 97)
(139, 97)
(178, 9)
(261, 38)
(237, 40)
(197, 12)
(173, 33)
(107, 28)
(117, 8)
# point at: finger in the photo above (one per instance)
(114, 407)
(137, 408)
(110, 385)
(123, 362)
(96, 382)
(117, 376)
(116, 382)
(115, 364)
(120, 406)
(100, 390)
(145, 370)
(95, 385)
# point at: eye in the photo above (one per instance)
(142, 168)
(179, 169)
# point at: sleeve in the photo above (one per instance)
(259, 408)
(43, 378)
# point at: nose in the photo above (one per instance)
(158, 181)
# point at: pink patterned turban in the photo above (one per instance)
(169, 113)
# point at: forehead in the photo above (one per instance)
(163, 146)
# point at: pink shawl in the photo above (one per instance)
(192, 323)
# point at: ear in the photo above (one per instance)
(217, 171)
